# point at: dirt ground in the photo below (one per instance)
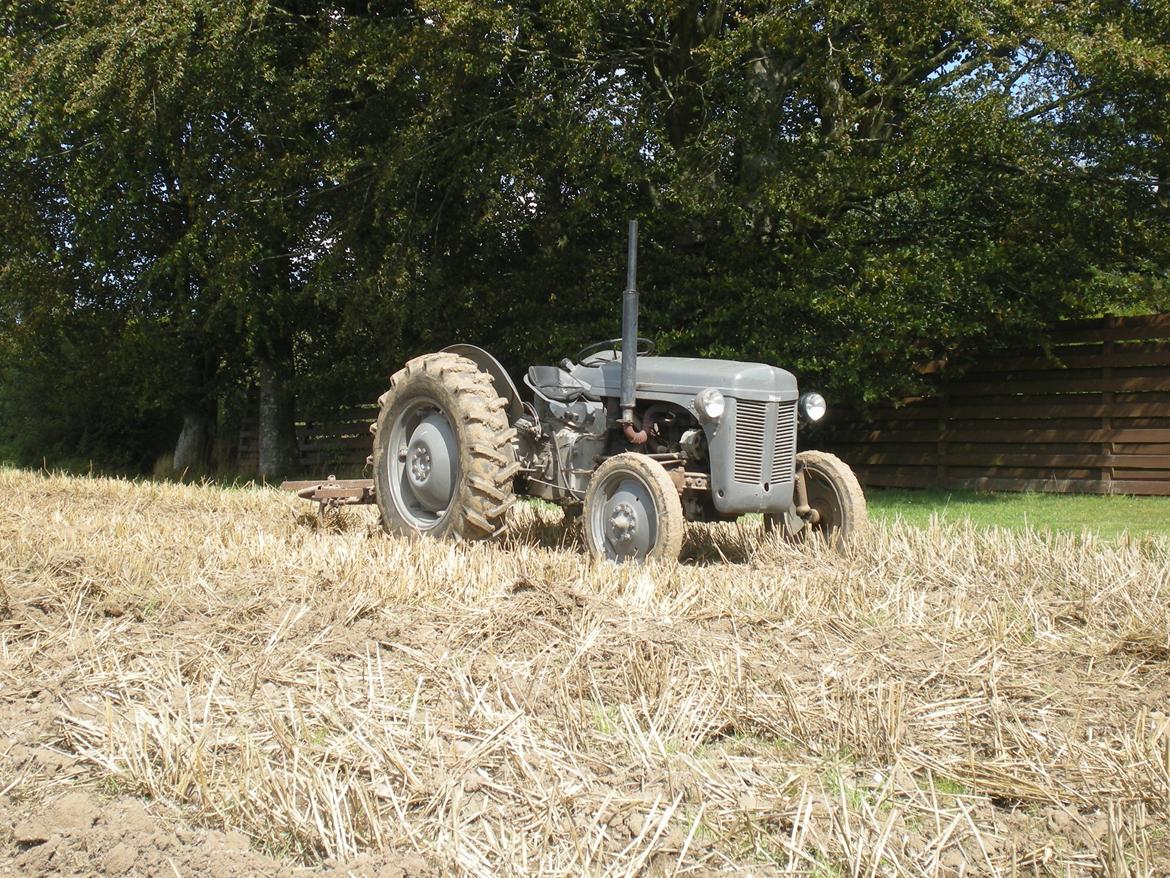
(197, 681)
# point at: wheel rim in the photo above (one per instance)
(823, 497)
(422, 464)
(625, 522)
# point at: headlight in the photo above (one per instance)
(709, 404)
(813, 406)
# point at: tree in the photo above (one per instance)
(184, 187)
(199, 196)
(848, 188)
(854, 188)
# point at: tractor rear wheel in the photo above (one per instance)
(834, 493)
(443, 460)
(632, 511)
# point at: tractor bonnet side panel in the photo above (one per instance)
(680, 378)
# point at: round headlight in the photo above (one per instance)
(813, 406)
(709, 404)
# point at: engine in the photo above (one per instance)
(558, 445)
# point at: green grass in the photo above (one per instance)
(1108, 516)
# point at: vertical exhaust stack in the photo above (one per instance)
(630, 330)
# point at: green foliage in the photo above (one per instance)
(848, 188)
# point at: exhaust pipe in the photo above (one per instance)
(630, 330)
(630, 347)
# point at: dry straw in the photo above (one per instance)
(936, 701)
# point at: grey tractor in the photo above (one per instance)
(636, 444)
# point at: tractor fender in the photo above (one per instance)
(502, 382)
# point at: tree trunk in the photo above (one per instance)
(273, 349)
(193, 448)
(276, 429)
(192, 455)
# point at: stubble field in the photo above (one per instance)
(198, 681)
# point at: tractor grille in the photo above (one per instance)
(760, 426)
(784, 453)
(751, 420)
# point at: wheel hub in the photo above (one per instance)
(420, 464)
(623, 523)
(428, 465)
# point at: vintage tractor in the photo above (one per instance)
(634, 443)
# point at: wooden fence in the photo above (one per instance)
(1094, 417)
(337, 445)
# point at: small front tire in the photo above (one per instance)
(632, 511)
(834, 492)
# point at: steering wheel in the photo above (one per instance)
(589, 352)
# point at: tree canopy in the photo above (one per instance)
(208, 207)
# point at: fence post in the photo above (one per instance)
(1107, 399)
(940, 445)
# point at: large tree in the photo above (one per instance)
(180, 142)
(849, 188)
(303, 195)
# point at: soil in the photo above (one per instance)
(85, 833)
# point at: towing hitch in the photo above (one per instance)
(333, 493)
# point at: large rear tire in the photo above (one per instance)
(443, 460)
(633, 511)
(836, 495)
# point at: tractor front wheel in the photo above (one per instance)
(834, 497)
(443, 460)
(632, 511)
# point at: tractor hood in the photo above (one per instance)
(672, 377)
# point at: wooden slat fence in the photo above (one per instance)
(1094, 417)
(338, 444)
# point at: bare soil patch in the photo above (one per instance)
(203, 681)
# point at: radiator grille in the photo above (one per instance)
(751, 420)
(761, 425)
(784, 455)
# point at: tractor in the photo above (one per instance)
(632, 443)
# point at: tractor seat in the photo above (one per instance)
(553, 382)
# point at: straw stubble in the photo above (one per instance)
(933, 701)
